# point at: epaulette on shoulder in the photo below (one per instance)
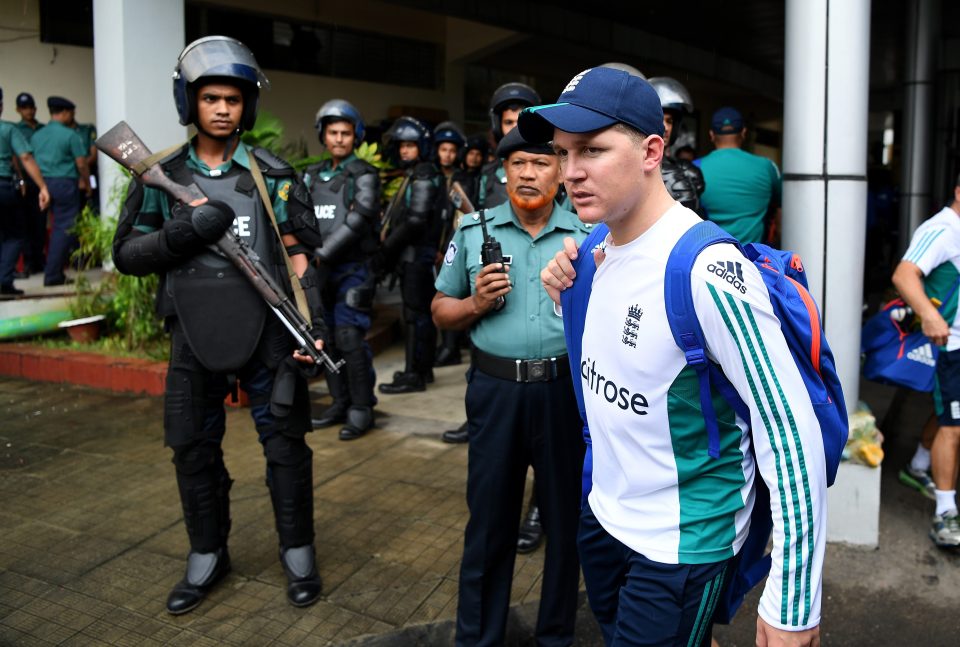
(471, 219)
(425, 171)
(272, 165)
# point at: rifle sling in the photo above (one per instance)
(298, 294)
(142, 166)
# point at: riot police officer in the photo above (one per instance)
(505, 106)
(345, 192)
(221, 330)
(683, 180)
(411, 236)
(448, 142)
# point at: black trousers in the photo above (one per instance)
(513, 425)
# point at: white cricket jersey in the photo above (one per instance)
(935, 249)
(655, 488)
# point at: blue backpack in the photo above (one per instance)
(799, 318)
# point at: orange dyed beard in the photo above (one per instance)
(534, 203)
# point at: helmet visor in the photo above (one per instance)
(220, 56)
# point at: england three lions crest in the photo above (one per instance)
(631, 325)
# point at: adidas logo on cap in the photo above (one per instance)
(922, 354)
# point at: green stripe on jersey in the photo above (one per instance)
(753, 345)
(802, 462)
(709, 489)
(778, 458)
(937, 285)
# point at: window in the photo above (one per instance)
(281, 43)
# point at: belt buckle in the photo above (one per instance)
(537, 370)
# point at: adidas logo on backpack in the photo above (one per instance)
(923, 354)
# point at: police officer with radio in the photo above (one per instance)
(411, 236)
(519, 409)
(683, 180)
(346, 200)
(221, 330)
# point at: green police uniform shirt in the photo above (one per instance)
(741, 188)
(156, 201)
(26, 130)
(528, 327)
(57, 148)
(11, 143)
(88, 134)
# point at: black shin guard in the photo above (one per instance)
(290, 479)
(359, 372)
(204, 486)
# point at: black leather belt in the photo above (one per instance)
(521, 370)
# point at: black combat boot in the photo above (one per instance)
(449, 353)
(303, 582)
(359, 422)
(204, 570)
(404, 383)
(456, 436)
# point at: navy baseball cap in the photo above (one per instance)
(726, 121)
(595, 99)
(25, 100)
(59, 103)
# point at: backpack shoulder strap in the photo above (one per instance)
(684, 325)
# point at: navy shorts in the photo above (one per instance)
(638, 601)
(946, 389)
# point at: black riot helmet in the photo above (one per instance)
(447, 131)
(217, 58)
(340, 110)
(406, 129)
(510, 94)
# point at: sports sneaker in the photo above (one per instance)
(945, 531)
(919, 480)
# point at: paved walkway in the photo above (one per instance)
(92, 537)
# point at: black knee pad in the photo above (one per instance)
(348, 338)
(196, 457)
(280, 449)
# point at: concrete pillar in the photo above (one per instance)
(915, 200)
(825, 200)
(136, 43)
(824, 163)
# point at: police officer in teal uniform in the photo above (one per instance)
(346, 199)
(13, 145)
(88, 134)
(519, 406)
(35, 218)
(62, 157)
(27, 109)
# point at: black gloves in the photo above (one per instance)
(192, 228)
